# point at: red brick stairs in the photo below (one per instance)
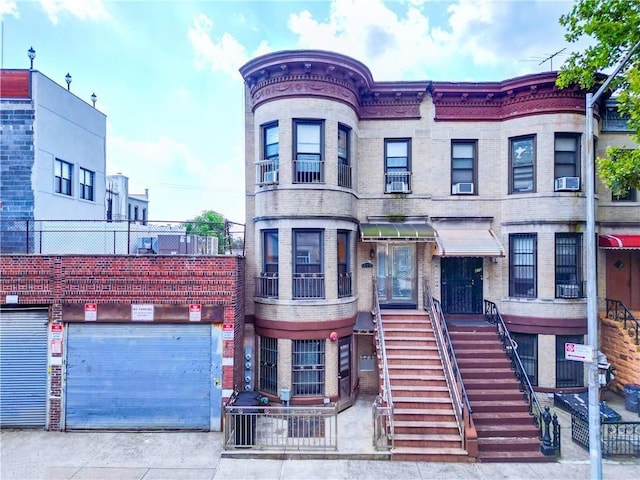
(425, 427)
(506, 430)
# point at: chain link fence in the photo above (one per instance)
(120, 237)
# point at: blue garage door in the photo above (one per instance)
(23, 368)
(141, 376)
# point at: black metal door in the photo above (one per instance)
(461, 285)
(344, 369)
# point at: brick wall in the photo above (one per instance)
(113, 281)
(621, 352)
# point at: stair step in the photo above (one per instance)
(509, 444)
(426, 440)
(497, 406)
(410, 367)
(500, 362)
(417, 454)
(481, 354)
(488, 374)
(418, 402)
(490, 430)
(422, 415)
(436, 427)
(472, 384)
(514, 457)
(495, 394)
(505, 418)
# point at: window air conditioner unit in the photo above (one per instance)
(462, 188)
(398, 187)
(568, 291)
(270, 177)
(570, 184)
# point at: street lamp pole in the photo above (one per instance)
(595, 451)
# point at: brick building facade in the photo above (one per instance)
(76, 296)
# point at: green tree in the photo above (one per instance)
(209, 224)
(612, 29)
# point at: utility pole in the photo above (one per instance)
(595, 450)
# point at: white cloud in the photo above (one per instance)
(226, 55)
(181, 184)
(82, 9)
(8, 7)
(404, 43)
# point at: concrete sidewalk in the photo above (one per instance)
(36, 454)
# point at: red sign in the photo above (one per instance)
(195, 312)
(56, 327)
(90, 312)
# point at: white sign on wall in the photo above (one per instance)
(142, 313)
(578, 352)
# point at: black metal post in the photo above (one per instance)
(546, 448)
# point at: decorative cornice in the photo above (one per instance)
(322, 74)
(316, 73)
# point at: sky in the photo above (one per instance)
(165, 72)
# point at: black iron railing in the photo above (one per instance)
(462, 406)
(617, 438)
(548, 426)
(617, 310)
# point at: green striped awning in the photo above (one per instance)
(416, 232)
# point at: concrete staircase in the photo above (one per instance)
(424, 420)
(506, 430)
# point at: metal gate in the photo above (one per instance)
(143, 377)
(23, 368)
(462, 285)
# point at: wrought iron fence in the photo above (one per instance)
(344, 284)
(308, 285)
(267, 285)
(119, 237)
(617, 438)
(281, 427)
(548, 426)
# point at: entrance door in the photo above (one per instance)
(461, 285)
(623, 277)
(344, 369)
(396, 275)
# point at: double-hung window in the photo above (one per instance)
(522, 265)
(63, 177)
(308, 151)
(522, 164)
(86, 184)
(567, 161)
(527, 348)
(463, 167)
(344, 271)
(269, 365)
(308, 367)
(268, 167)
(569, 265)
(344, 160)
(308, 276)
(569, 373)
(397, 165)
(267, 283)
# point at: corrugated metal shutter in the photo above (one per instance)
(138, 376)
(23, 368)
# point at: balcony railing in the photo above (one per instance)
(344, 176)
(397, 182)
(267, 285)
(308, 285)
(267, 172)
(308, 171)
(344, 284)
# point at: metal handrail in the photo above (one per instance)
(450, 363)
(492, 315)
(617, 310)
(386, 382)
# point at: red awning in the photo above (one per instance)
(630, 242)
